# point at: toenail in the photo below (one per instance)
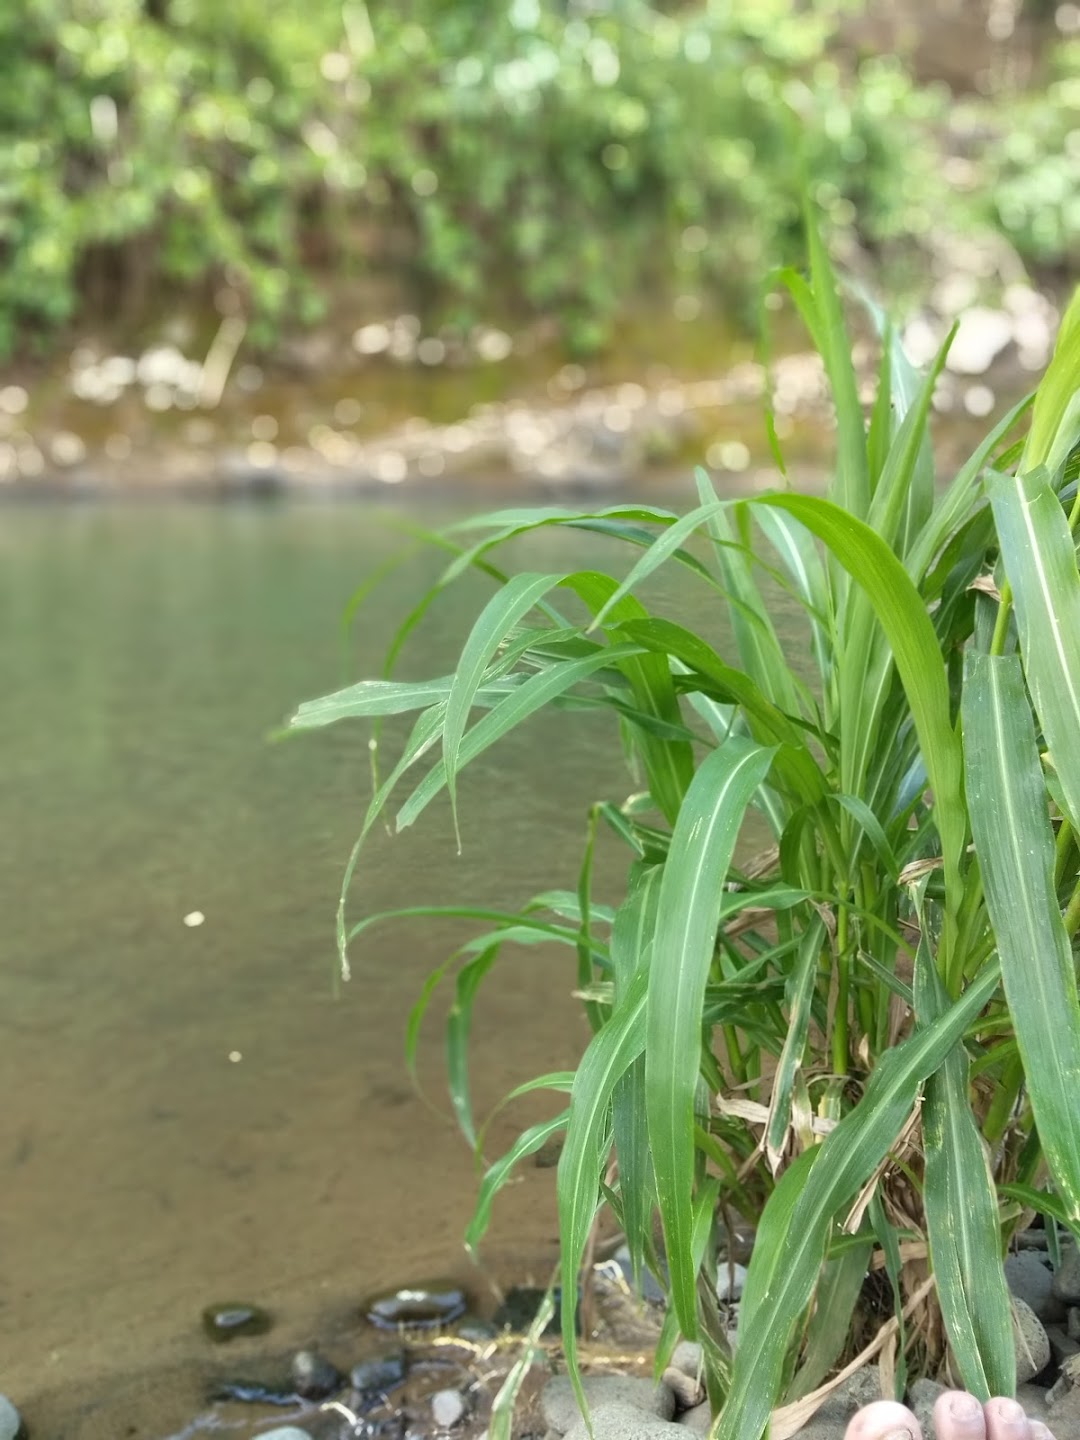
(964, 1407)
(1010, 1412)
(898, 1435)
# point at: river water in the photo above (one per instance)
(148, 653)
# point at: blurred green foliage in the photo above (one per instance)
(531, 156)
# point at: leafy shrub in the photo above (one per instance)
(868, 1039)
(1035, 166)
(564, 161)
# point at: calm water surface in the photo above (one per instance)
(147, 653)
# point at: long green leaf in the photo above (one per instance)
(799, 997)
(910, 633)
(524, 700)
(498, 617)
(1040, 561)
(610, 1053)
(688, 914)
(1015, 845)
(526, 1144)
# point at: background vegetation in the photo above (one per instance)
(538, 156)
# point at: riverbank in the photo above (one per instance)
(367, 408)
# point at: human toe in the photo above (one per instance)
(884, 1420)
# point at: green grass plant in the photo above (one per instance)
(866, 1041)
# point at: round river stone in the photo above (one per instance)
(417, 1307)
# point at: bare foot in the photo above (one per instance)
(957, 1416)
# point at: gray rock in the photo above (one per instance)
(559, 1406)
(314, 1377)
(385, 1373)
(1033, 1399)
(1067, 1279)
(11, 1426)
(1062, 1345)
(625, 1422)
(830, 1422)
(698, 1420)
(285, 1432)
(730, 1281)
(447, 1406)
(687, 1389)
(1033, 1281)
(1032, 1346)
(922, 1396)
(687, 1358)
(1072, 1327)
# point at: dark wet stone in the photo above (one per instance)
(385, 1373)
(11, 1422)
(547, 1157)
(253, 1392)
(314, 1377)
(520, 1307)
(227, 1321)
(476, 1331)
(420, 1307)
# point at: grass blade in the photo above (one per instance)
(1037, 550)
(961, 1214)
(1015, 845)
(687, 917)
(609, 1055)
(526, 1144)
(498, 617)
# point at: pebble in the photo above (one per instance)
(1032, 1346)
(687, 1357)
(11, 1426)
(1033, 1281)
(285, 1432)
(385, 1373)
(424, 1306)
(559, 1405)
(314, 1377)
(1067, 1279)
(227, 1321)
(687, 1389)
(447, 1407)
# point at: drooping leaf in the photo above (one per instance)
(961, 1214)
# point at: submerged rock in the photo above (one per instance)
(252, 1392)
(521, 1306)
(314, 1377)
(447, 1407)
(384, 1373)
(225, 1322)
(419, 1307)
